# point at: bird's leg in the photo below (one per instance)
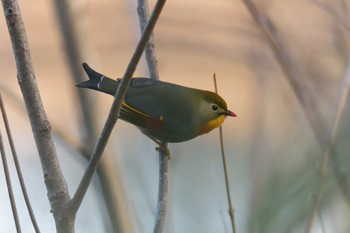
(161, 147)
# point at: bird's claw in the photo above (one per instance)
(165, 150)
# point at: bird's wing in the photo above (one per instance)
(139, 118)
(144, 82)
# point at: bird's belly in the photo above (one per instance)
(170, 135)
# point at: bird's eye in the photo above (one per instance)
(214, 107)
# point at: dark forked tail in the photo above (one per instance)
(98, 81)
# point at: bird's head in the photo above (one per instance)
(213, 110)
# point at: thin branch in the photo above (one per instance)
(74, 40)
(340, 105)
(115, 109)
(291, 70)
(9, 186)
(333, 13)
(18, 167)
(66, 138)
(231, 210)
(162, 191)
(143, 11)
(306, 100)
(74, 56)
(55, 183)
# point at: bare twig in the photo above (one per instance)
(227, 181)
(292, 71)
(162, 191)
(143, 11)
(55, 183)
(107, 171)
(115, 109)
(74, 56)
(151, 59)
(9, 186)
(66, 138)
(340, 104)
(307, 101)
(333, 13)
(18, 167)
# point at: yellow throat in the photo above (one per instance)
(212, 125)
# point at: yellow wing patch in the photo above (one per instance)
(136, 110)
(140, 119)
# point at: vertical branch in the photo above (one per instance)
(72, 45)
(162, 191)
(115, 109)
(227, 181)
(151, 59)
(55, 183)
(18, 167)
(143, 11)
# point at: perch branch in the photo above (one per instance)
(151, 59)
(231, 210)
(143, 11)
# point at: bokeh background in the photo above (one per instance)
(273, 153)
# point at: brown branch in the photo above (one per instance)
(231, 210)
(55, 183)
(115, 109)
(18, 167)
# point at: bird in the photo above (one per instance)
(164, 112)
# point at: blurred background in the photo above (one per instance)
(274, 147)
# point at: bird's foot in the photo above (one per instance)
(164, 149)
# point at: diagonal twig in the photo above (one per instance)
(115, 109)
(9, 185)
(231, 210)
(75, 46)
(333, 13)
(18, 167)
(339, 109)
(308, 102)
(291, 70)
